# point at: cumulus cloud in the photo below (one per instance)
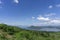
(43, 18)
(50, 6)
(48, 21)
(16, 1)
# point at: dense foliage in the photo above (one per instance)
(8, 32)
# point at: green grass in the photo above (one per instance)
(8, 32)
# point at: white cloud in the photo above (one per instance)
(33, 17)
(16, 1)
(48, 21)
(58, 5)
(0, 2)
(43, 18)
(50, 6)
(55, 21)
(54, 6)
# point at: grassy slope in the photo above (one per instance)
(13, 33)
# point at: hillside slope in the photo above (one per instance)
(8, 32)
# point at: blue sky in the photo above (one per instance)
(30, 12)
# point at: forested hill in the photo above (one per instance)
(8, 32)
